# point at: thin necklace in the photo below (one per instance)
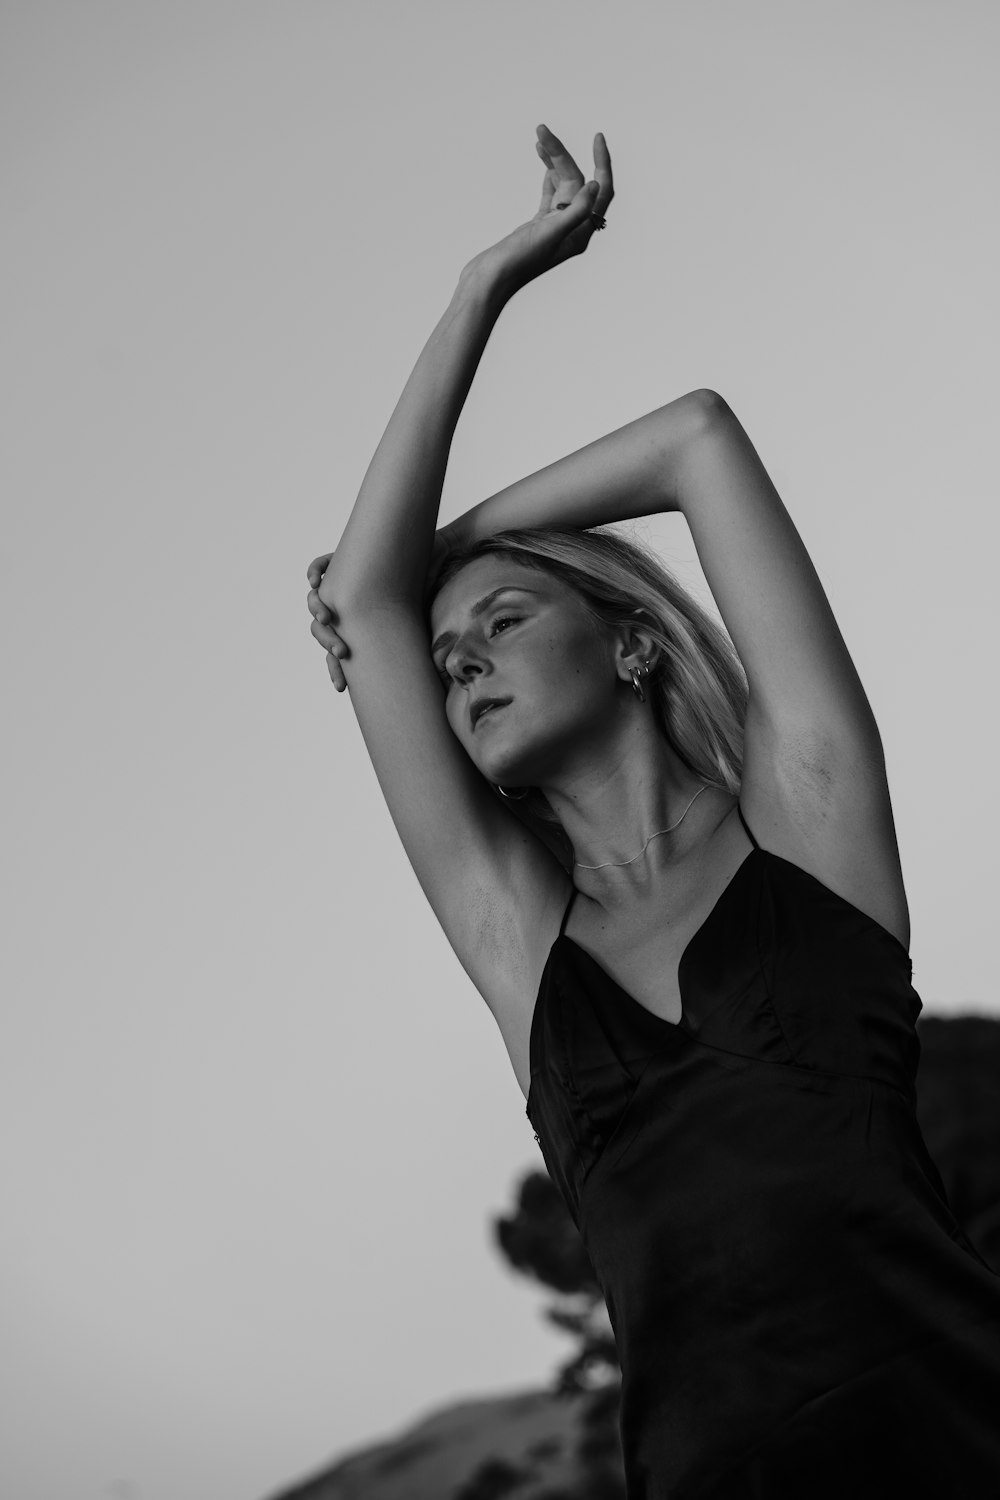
(618, 863)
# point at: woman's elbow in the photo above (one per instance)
(709, 403)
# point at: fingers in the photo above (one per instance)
(336, 672)
(563, 179)
(603, 175)
(579, 208)
(328, 637)
(584, 201)
(335, 650)
(322, 625)
(557, 159)
(317, 568)
(335, 646)
(317, 606)
(548, 187)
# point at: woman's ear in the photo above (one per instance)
(637, 645)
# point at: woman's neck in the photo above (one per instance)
(632, 816)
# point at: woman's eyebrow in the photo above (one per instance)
(477, 609)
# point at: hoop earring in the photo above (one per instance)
(513, 796)
(637, 674)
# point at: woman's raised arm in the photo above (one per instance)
(497, 890)
(384, 554)
(633, 471)
(814, 781)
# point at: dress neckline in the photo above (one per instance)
(679, 1025)
(677, 1028)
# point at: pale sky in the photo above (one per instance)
(254, 1119)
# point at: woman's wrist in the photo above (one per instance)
(484, 281)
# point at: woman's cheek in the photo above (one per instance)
(455, 716)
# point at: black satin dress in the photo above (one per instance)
(796, 1310)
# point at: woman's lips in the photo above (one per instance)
(490, 708)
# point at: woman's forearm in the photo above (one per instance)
(386, 547)
(635, 471)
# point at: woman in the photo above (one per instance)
(678, 890)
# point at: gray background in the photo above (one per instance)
(253, 1118)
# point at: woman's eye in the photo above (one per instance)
(502, 620)
(442, 670)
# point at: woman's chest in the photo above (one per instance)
(642, 946)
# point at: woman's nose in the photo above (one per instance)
(464, 661)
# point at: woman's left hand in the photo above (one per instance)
(570, 211)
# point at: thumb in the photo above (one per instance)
(581, 205)
(573, 214)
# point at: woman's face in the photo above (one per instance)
(504, 631)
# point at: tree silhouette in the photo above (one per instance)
(540, 1240)
(493, 1480)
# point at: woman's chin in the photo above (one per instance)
(503, 772)
(507, 765)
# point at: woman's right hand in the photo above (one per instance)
(570, 212)
(323, 608)
(322, 626)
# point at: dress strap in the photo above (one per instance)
(745, 827)
(567, 911)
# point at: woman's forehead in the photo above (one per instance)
(482, 576)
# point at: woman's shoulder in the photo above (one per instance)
(838, 828)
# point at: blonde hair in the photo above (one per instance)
(698, 688)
